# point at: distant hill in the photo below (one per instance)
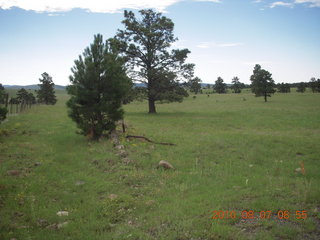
(34, 86)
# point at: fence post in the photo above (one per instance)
(21, 106)
(7, 99)
(11, 106)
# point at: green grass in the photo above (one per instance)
(230, 154)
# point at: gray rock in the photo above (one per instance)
(298, 170)
(62, 213)
(119, 147)
(165, 165)
(61, 225)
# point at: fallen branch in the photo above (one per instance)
(148, 140)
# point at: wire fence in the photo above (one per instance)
(15, 106)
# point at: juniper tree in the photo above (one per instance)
(22, 95)
(99, 85)
(236, 85)
(301, 87)
(146, 43)
(31, 99)
(46, 93)
(25, 97)
(283, 87)
(195, 85)
(14, 100)
(315, 84)
(220, 86)
(262, 83)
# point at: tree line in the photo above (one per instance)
(194, 86)
(24, 99)
(236, 86)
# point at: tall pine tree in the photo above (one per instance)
(46, 93)
(99, 85)
(146, 42)
(220, 86)
(262, 83)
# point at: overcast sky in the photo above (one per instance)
(226, 37)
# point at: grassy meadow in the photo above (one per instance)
(233, 153)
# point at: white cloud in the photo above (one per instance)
(109, 6)
(203, 45)
(54, 14)
(229, 44)
(311, 3)
(214, 1)
(283, 4)
(113, 6)
(214, 44)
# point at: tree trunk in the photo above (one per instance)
(123, 126)
(265, 97)
(151, 101)
(152, 106)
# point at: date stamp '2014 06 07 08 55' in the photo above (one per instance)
(281, 214)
